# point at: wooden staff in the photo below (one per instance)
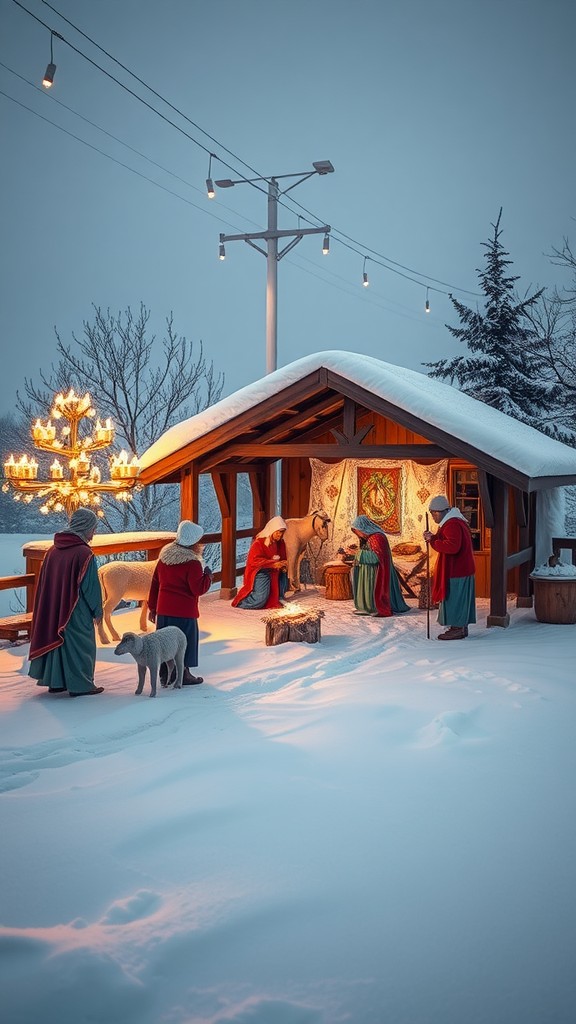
(427, 583)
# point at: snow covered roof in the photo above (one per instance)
(440, 405)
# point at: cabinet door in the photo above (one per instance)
(466, 491)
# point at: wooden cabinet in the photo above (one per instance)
(465, 491)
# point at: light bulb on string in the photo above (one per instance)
(209, 182)
(365, 280)
(48, 79)
(427, 304)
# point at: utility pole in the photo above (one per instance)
(271, 236)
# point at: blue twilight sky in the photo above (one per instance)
(435, 113)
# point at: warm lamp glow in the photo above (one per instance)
(73, 480)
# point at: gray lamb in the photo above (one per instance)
(165, 645)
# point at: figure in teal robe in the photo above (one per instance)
(68, 600)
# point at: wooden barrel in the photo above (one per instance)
(554, 599)
(338, 582)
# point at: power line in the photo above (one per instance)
(348, 289)
(387, 263)
(51, 98)
(132, 93)
(150, 89)
(114, 159)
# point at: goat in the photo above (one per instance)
(298, 533)
(123, 580)
(149, 652)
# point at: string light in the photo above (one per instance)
(326, 245)
(48, 82)
(427, 305)
(48, 79)
(209, 182)
(221, 249)
(365, 280)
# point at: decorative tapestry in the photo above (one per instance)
(380, 496)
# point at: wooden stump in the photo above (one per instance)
(338, 582)
(555, 599)
(284, 628)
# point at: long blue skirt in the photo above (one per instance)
(190, 628)
(459, 607)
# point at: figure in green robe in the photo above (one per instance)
(67, 603)
(375, 581)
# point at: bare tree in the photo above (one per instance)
(554, 322)
(144, 385)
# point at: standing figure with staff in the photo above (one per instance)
(453, 583)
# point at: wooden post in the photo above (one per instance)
(498, 575)
(226, 493)
(189, 493)
(524, 597)
(258, 488)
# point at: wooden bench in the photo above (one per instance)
(16, 627)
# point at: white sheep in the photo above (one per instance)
(149, 652)
(129, 581)
(298, 533)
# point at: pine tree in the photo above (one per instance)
(504, 368)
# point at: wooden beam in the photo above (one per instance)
(222, 491)
(519, 558)
(524, 596)
(447, 442)
(356, 438)
(349, 418)
(498, 615)
(486, 498)
(300, 391)
(312, 412)
(258, 487)
(189, 493)
(333, 451)
(226, 493)
(520, 508)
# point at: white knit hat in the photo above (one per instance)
(188, 533)
(439, 504)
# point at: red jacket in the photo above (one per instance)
(261, 556)
(453, 542)
(178, 581)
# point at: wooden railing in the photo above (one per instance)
(105, 544)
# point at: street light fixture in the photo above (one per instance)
(271, 236)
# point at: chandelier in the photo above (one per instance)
(73, 480)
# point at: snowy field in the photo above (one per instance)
(377, 829)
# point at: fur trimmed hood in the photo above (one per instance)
(175, 554)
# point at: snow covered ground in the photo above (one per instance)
(377, 829)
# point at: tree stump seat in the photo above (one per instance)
(338, 582)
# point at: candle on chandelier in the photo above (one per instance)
(56, 470)
(83, 463)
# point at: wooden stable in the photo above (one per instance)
(323, 414)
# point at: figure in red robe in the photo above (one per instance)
(265, 576)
